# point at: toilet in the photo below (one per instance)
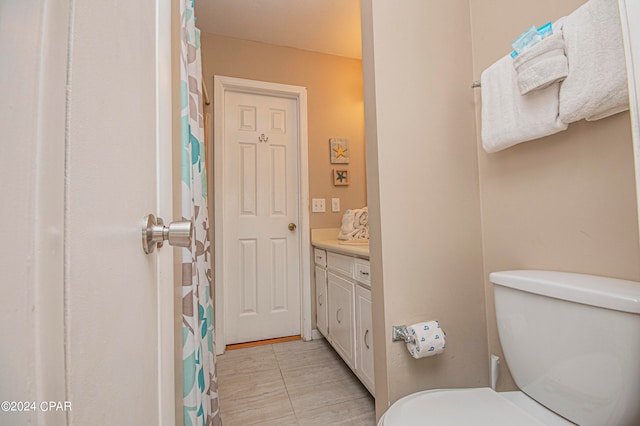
(572, 344)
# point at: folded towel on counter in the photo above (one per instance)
(509, 118)
(361, 217)
(596, 86)
(543, 64)
(355, 225)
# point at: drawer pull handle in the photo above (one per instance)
(338, 315)
(366, 333)
(364, 273)
(320, 299)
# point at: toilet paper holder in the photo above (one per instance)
(400, 333)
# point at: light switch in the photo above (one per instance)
(317, 205)
(335, 204)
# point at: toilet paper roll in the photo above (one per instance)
(429, 339)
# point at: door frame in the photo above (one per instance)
(223, 84)
(169, 399)
(630, 18)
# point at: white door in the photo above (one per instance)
(113, 307)
(261, 242)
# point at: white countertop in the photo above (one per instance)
(327, 238)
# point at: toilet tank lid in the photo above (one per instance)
(610, 293)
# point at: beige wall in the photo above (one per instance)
(334, 101)
(565, 202)
(424, 197)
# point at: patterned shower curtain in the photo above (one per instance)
(198, 355)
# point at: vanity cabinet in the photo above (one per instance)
(321, 301)
(320, 259)
(364, 337)
(341, 317)
(343, 309)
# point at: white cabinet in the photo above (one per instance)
(320, 257)
(364, 338)
(361, 272)
(341, 317)
(343, 307)
(321, 301)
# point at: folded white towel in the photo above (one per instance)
(360, 217)
(509, 118)
(542, 65)
(596, 86)
(355, 225)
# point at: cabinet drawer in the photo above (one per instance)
(341, 264)
(361, 272)
(320, 257)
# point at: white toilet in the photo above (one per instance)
(572, 343)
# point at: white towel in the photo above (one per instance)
(543, 64)
(361, 217)
(355, 225)
(596, 86)
(509, 118)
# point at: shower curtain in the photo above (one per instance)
(198, 355)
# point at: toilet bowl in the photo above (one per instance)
(476, 406)
(572, 342)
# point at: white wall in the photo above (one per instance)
(32, 112)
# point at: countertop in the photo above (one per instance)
(327, 238)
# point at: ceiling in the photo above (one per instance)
(327, 26)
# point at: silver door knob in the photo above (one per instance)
(154, 233)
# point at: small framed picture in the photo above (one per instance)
(340, 177)
(339, 151)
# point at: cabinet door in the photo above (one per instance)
(321, 301)
(341, 317)
(364, 338)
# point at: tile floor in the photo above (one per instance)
(291, 383)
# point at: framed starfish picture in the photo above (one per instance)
(339, 151)
(340, 177)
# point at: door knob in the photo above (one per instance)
(292, 226)
(154, 233)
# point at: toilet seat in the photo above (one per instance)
(476, 406)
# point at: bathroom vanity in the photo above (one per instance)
(343, 301)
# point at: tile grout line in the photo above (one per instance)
(285, 387)
(341, 380)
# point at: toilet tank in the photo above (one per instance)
(572, 342)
